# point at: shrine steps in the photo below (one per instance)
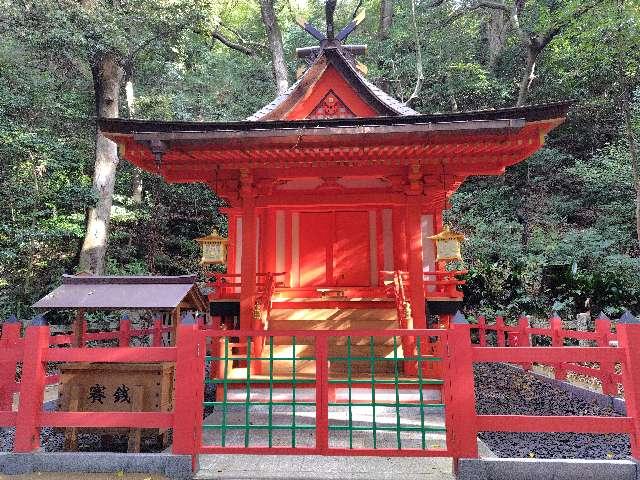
(340, 303)
(339, 365)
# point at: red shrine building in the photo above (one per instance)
(333, 184)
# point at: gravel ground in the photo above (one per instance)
(501, 390)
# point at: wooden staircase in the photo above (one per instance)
(332, 319)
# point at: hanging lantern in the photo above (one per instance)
(448, 245)
(214, 249)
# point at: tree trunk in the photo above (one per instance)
(136, 180)
(386, 19)
(107, 75)
(529, 74)
(270, 21)
(497, 29)
(633, 149)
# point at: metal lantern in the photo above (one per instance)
(214, 249)
(448, 245)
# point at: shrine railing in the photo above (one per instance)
(498, 334)
(441, 283)
(228, 285)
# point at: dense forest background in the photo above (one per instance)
(557, 232)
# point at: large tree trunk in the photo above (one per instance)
(497, 28)
(386, 19)
(270, 21)
(107, 75)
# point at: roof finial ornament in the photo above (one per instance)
(331, 38)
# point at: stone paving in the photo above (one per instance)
(331, 467)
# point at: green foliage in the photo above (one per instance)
(552, 233)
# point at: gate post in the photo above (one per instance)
(460, 402)
(124, 331)
(629, 340)
(32, 385)
(9, 340)
(189, 389)
(603, 329)
(557, 340)
(524, 339)
(322, 393)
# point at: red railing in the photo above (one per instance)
(125, 333)
(462, 422)
(35, 352)
(441, 283)
(555, 335)
(627, 354)
(228, 285)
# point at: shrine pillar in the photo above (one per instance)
(249, 258)
(399, 217)
(415, 261)
(268, 245)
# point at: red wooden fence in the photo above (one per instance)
(521, 336)
(36, 350)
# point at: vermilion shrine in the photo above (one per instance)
(333, 187)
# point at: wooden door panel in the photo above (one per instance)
(316, 237)
(351, 256)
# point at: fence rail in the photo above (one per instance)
(523, 335)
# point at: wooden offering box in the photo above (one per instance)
(116, 387)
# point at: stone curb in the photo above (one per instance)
(537, 469)
(177, 467)
(615, 403)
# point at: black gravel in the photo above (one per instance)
(52, 440)
(501, 390)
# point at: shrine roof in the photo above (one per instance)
(114, 127)
(123, 292)
(385, 104)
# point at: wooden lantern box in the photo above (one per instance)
(116, 387)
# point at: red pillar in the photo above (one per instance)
(629, 339)
(268, 241)
(557, 340)
(32, 386)
(399, 239)
(189, 389)
(248, 279)
(460, 403)
(524, 339)
(9, 340)
(414, 249)
(124, 332)
(603, 329)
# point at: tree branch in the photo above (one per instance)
(233, 45)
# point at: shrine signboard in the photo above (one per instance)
(109, 387)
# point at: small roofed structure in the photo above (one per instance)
(125, 293)
(169, 295)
